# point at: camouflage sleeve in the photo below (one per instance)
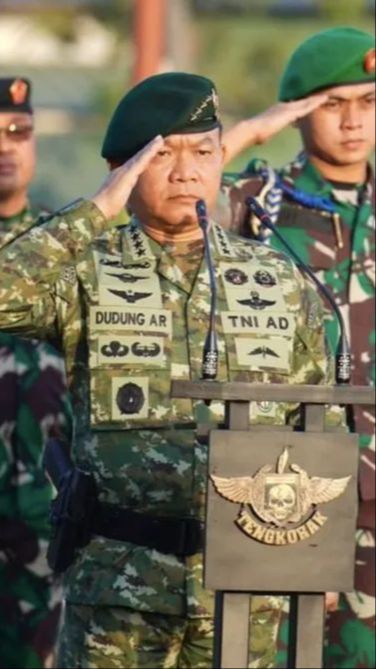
(231, 210)
(36, 406)
(313, 362)
(31, 265)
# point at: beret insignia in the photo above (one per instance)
(369, 62)
(215, 100)
(201, 107)
(18, 91)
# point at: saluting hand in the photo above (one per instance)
(114, 193)
(281, 115)
(260, 128)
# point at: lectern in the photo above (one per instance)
(281, 512)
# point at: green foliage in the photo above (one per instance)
(115, 14)
(109, 92)
(342, 10)
(60, 22)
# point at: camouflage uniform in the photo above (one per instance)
(130, 312)
(37, 626)
(33, 406)
(12, 227)
(332, 228)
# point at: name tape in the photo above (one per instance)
(123, 318)
(271, 323)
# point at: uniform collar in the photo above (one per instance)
(302, 174)
(138, 247)
(14, 226)
(17, 218)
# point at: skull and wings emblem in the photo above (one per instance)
(283, 497)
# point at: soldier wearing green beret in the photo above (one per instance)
(130, 306)
(323, 203)
(28, 594)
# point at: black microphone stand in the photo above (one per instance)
(210, 353)
(343, 355)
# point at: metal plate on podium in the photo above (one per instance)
(281, 511)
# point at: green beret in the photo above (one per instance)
(165, 104)
(330, 58)
(15, 95)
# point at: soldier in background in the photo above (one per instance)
(131, 306)
(30, 601)
(323, 203)
(34, 406)
(17, 157)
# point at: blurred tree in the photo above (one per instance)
(60, 22)
(59, 18)
(115, 14)
(108, 94)
(342, 11)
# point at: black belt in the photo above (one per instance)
(168, 535)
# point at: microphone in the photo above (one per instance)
(210, 353)
(343, 355)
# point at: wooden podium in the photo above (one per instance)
(281, 512)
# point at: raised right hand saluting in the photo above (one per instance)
(114, 193)
(264, 126)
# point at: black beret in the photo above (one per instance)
(15, 95)
(165, 104)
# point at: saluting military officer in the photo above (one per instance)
(17, 157)
(323, 203)
(131, 305)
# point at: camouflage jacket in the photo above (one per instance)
(125, 314)
(12, 227)
(34, 405)
(333, 230)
